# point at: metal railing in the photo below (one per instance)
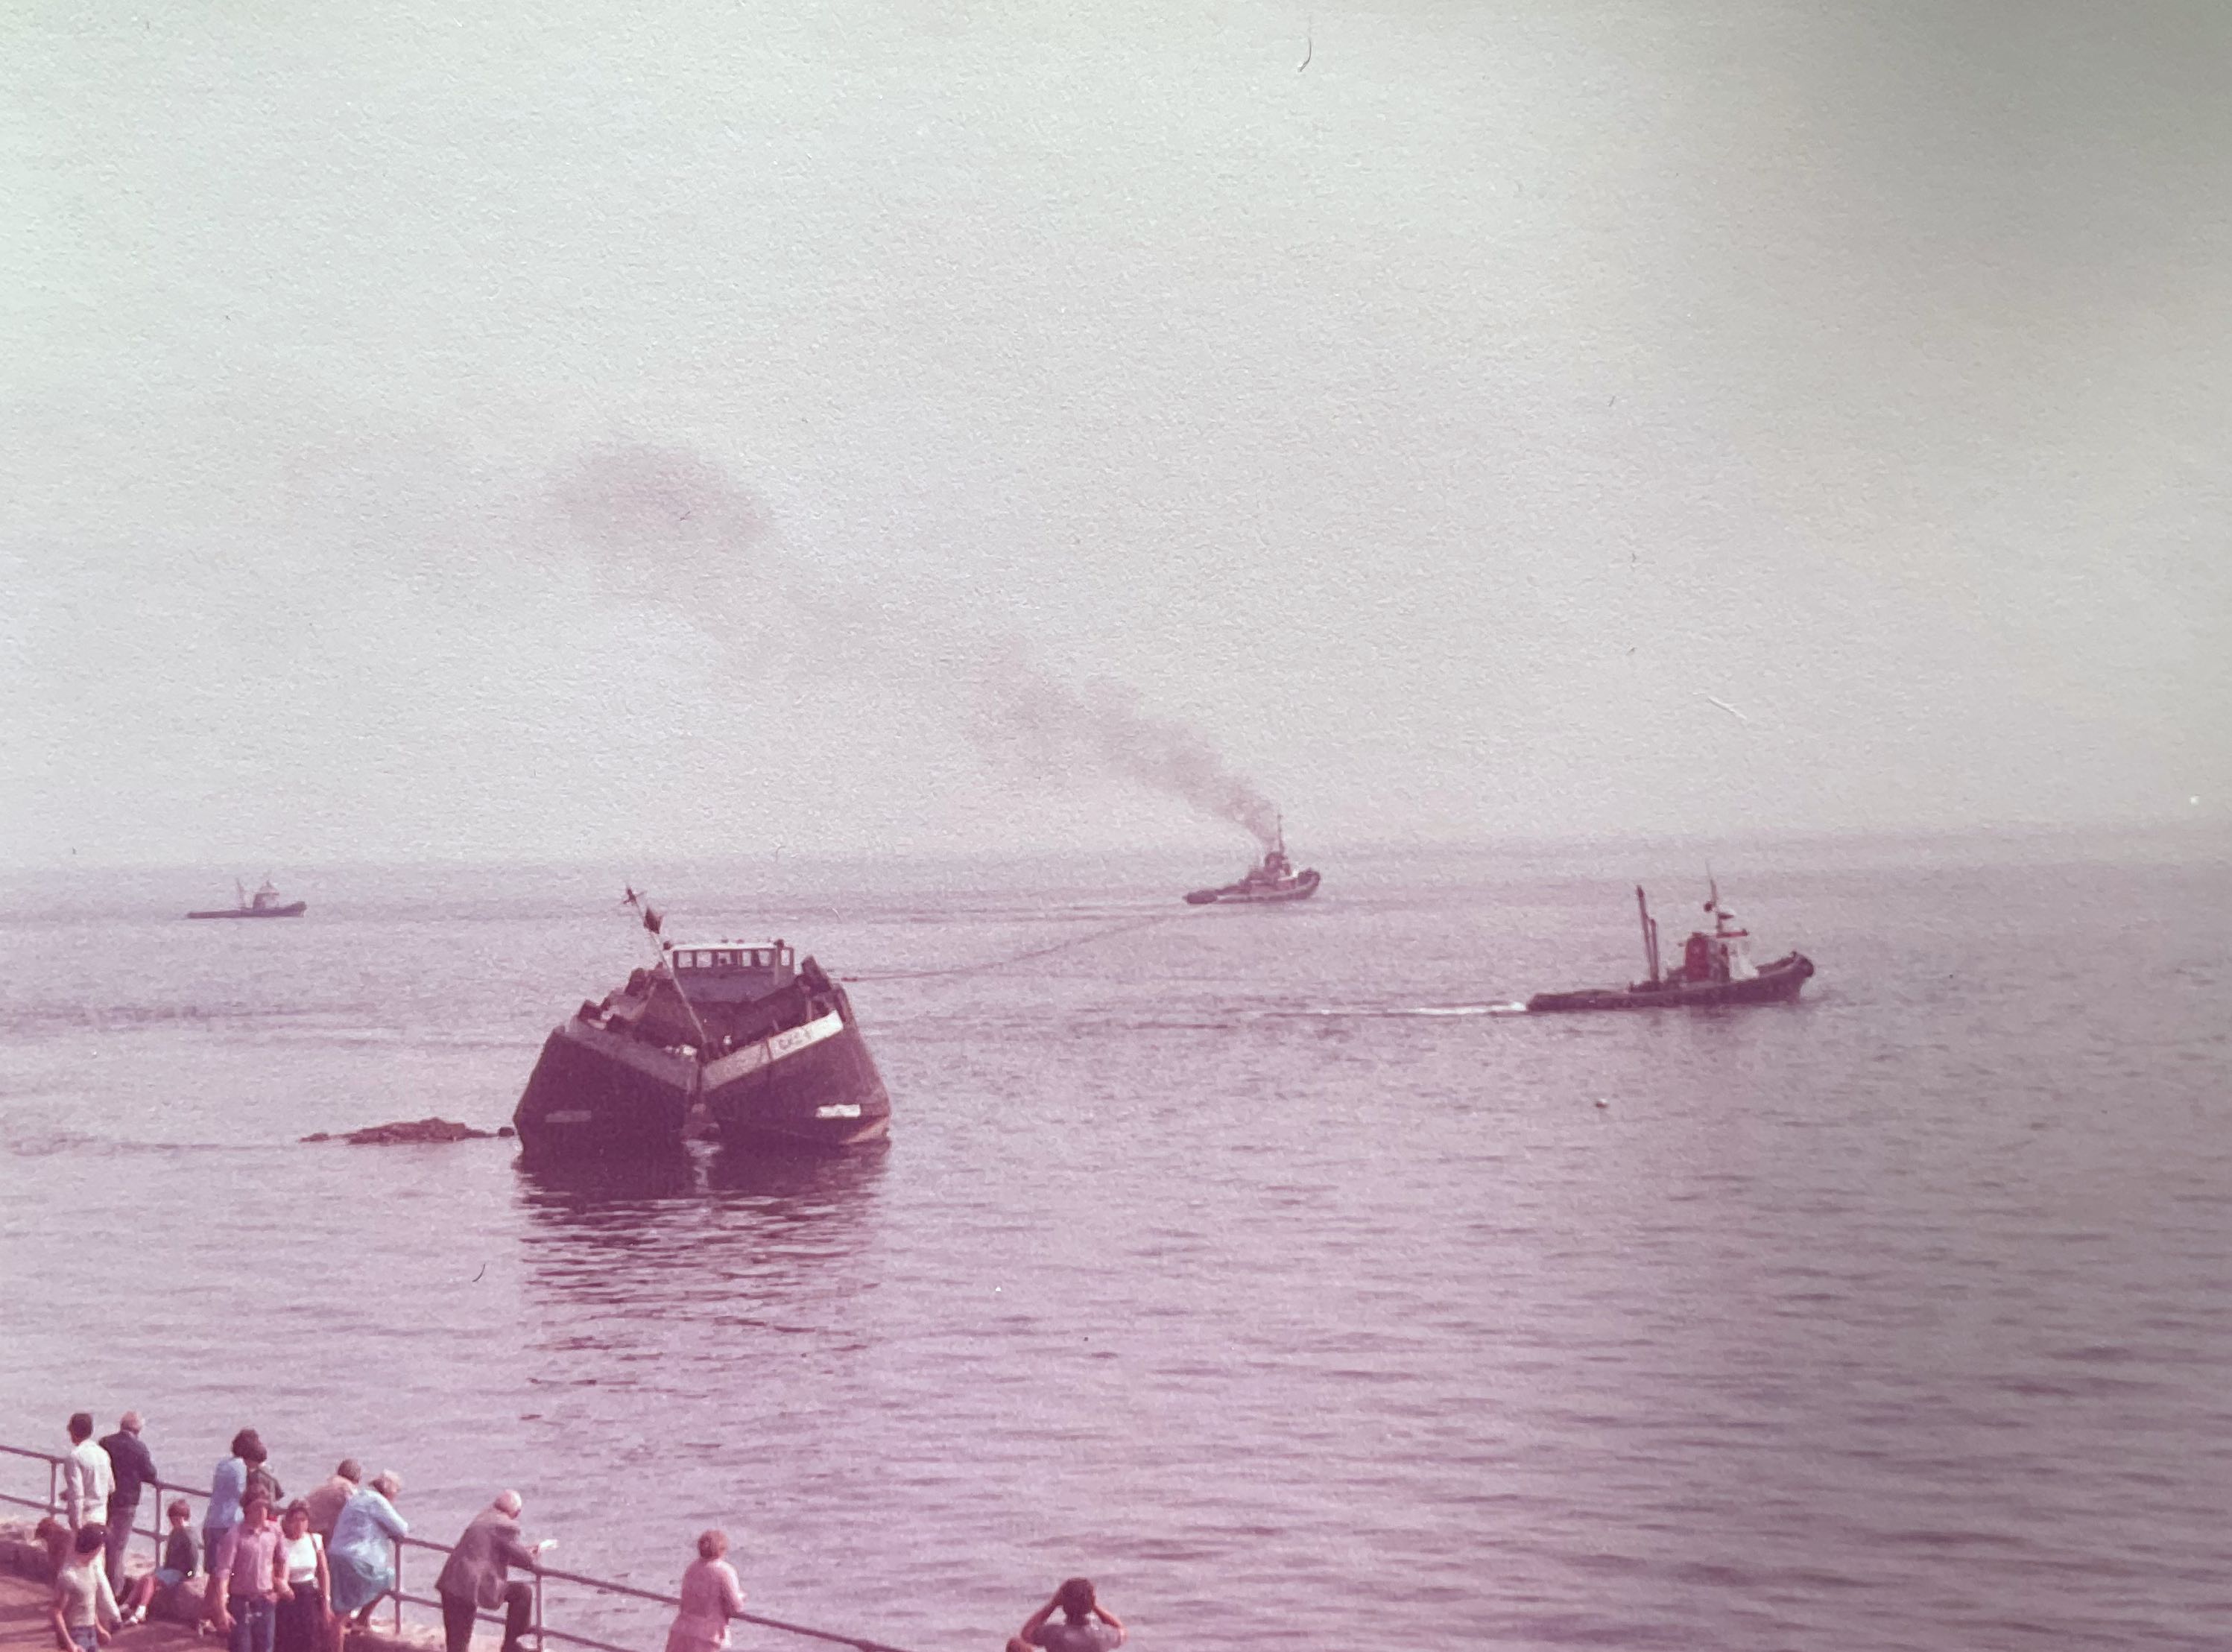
(538, 1630)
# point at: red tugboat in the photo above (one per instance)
(1716, 968)
(1274, 878)
(763, 1046)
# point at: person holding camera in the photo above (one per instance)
(1086, 1625)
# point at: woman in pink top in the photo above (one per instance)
(710, 1597)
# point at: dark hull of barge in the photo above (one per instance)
(1776, 983)
(810, 1087)
(597, 1094)
(293, 909)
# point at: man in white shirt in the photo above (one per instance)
(88, 1479)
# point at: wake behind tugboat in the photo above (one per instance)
(1716, 970)
(764, 1045)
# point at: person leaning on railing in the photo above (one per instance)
(477, 1576)
(133, 1469)
(710, 1597)
(361, 1556)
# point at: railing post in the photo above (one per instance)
(398, 1542)
(538, 1609)
(54, 1486)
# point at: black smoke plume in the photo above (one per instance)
(668, 526)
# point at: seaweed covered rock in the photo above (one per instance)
(407, 1132)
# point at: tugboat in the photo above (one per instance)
(1716, 970)
(264, 903)
(740, 1034)
(1273, 879)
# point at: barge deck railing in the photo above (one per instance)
(539, 1632)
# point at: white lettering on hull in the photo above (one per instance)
(838, 1110)
(752, 1057)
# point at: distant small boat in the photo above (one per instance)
(1716, 970)
(264, 903)
(1273, 879)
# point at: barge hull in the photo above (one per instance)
(815, 1086)
(595, 1094)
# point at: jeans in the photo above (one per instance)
(251, 1624)
(458, 1618)
(120, 1539)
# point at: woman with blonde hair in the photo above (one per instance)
(710, 1597)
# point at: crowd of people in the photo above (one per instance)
(293, 1577)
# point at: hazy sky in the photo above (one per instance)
(1519, 420)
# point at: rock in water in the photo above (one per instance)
(420, 1129)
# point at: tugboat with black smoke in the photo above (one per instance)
(1716, 970)
(743, 1035)
(1273, 879)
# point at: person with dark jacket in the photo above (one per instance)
(477, 1576)
(134, 1469)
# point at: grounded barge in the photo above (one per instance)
(763, 1047)
(1716, 970)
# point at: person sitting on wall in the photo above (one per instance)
(57, 1538)
(180, 1560)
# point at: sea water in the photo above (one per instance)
(1246, 1262)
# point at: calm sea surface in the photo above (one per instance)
(1245, 1261)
